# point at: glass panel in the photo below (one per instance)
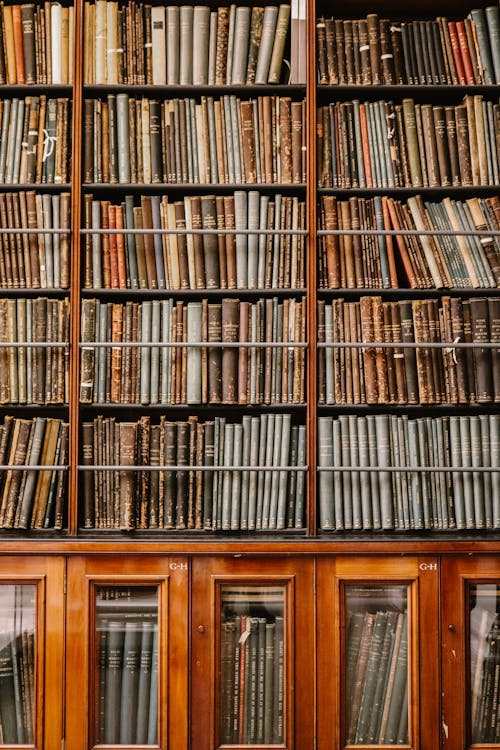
(485, 662)
(252, 665)
(17, 664)
(126, 709)
(376, 665)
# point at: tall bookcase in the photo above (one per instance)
(305, 582)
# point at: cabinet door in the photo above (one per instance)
(471, 651)
(126, 669)
(377, 666)
(253, 654)
(31, 651)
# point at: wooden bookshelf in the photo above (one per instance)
(190, 567)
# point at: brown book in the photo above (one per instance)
(222, 39)
(380, 352)
(387, 59)
(210, 242)
(44, 478)
(221, 241)
(17, 457)
(180, 223)
(349, 53)
(331, 241)
(423, 354)
(149, 248)
(321, 51)
(182, 488)
(463, 146)
(296, 142)
(285, 131)
(247, 134)
(256, 24)
(116, 353)
(410, 359)
(340, 51)
(331, 51)
(369, 357)
(214, 357)
(465, 54)
(460, 355)
(494, 331)
(230, 223)
(243, 385)
(127, 440)
(28, 41)
(373, 26)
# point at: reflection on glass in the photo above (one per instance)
(126, 710)
(485, 662)
(377, 665)
(17, 664)
(252, 665)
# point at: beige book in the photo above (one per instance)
(101, 42)
(48, 41)
(9, 44)
(428, 243)
(473, 140)
(64, 47)
(41, 243)
(279, 44)
(165, 246)
(481, 134)
(89, 44)
(44, 477)
(56, 29)
(203, 157)
(159, 45)
(190, 243)
(112, 41)
(12, 352)
(174, 255)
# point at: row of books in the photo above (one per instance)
(375, 50)
(30, 498)
(377, 375)
(195, 261)
(227, 140)
(184, 45)
(252, 680)
(404, 500)
(34, 140)
(17, 664)
(419, 262)
(38, 261)
(127, 709)
(184, 498)
(34, 375)
(485, 712)
(36, 43)
(377, 678)
(382, 144)
(194, 374)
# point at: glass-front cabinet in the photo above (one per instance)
(31, 651)
(127, 627)
(252, 652)
(471, 651)
(378, 682)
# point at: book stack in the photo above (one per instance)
(34, 140)
(32, 498)
(385, 145)
(34, 375)
(36, 44)
(485, 713)
(137, 44)
(182, 498)
(418, 262)
(374, 375)
(185, 141)
(37, 261)
(17, 664)
(193, 374)
(373, 50)
(196, 261)
(377, 678)
(127, 701)
(353, 499)
(252, 679)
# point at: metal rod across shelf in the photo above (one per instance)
(33, 467)
(32, 344)
(105, 467)
(409, 232)
(25, 230)
(409, 345)
(418, 469)
(196, 344)
(231, 232)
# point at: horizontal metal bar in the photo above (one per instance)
(417, 469)
(151, 230)
(409, 232)
(409, 345)
(25, 230)
(197, 344)
(33, 467)
(191, 468)
(32, 344)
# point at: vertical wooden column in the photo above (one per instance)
(311, 272)
(76, 177)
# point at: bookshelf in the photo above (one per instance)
(386, 533)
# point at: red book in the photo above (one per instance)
(455, 46)
(465, 52)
